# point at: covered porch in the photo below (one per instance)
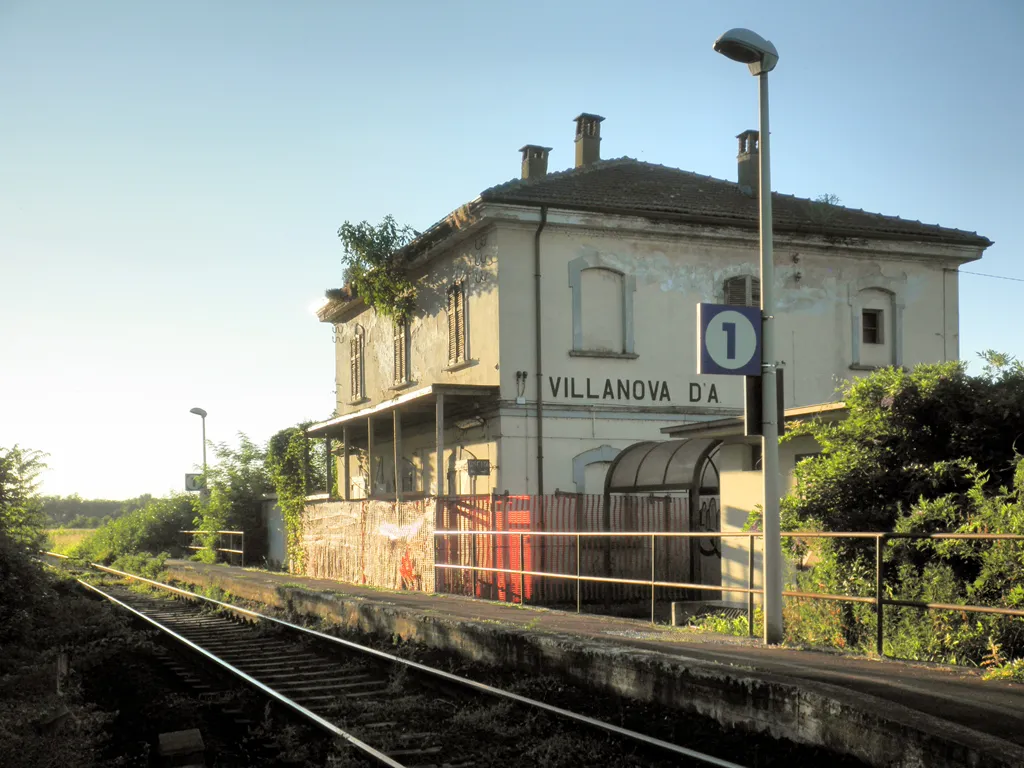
(393, 467)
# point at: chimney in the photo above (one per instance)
(535, 161)
(748, 162)
(588, 139)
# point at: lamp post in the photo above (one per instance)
(760, 56)
(202, 414)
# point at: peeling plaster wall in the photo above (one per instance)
(676, 268)
(474, 261)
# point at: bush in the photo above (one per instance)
(152, 529)
(932, 450)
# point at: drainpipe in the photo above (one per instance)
(540, 372)
(540, 522)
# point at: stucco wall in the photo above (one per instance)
(742, 489)
(474, 261)
(817, 293)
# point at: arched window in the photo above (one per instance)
(602, 308)
(743, 291)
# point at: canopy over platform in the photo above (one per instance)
(417, 407)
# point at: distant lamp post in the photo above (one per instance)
(202, 414)
(760, 56)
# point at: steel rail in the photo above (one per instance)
(437, 673)
(362, 746)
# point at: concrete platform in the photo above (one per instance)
(887, 713)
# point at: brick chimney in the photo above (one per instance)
(588, 139)
(535, 161)
(748, 161)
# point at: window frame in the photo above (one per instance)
(400, 352)
(357, 365)
(458, 326)
(591, 259)
(878, 329)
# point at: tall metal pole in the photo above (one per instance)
(769, 403)
(204, 450)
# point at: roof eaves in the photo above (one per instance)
(945, 236)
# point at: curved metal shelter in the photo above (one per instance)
(666, 465)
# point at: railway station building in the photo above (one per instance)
(556, 329)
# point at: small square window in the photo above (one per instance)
(871, 326)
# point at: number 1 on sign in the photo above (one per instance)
(730, 340)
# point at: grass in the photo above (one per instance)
(63, 539)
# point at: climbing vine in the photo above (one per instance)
(286, 460)
(371, 270)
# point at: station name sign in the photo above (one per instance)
(633, 390)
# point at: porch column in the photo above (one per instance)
(347, 493)
(329, 470)
(439, 426)
(396, 421)
(369, 456)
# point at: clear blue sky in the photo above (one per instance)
(172, 174)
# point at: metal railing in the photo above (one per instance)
(234, 541)
(878, 600)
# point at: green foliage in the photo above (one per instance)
(289, 464)
(930, 450)
(153, 528)
(75, 512)
(237, 480)
(372, 270)
(21, 509)
(737, 626)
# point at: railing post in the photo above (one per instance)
(473, 562)
(750, 586)
(243, 549)
(522, 574)
(652, 577)
(578, 583)
(879, 593)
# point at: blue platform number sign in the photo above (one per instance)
(729, 341)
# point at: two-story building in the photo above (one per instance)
(556, 321)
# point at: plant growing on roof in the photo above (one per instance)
(371, 269)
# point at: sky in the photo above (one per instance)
(173, 174)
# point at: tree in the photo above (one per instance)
(371, 269)
(238, 480)
(21, 509)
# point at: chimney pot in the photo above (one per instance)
(535, 161)
(588, 139)
(748, 163)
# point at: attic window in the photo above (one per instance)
(743, 291)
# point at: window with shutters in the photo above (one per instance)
(457, 348)
(356, 373)
(401, 351)
(743, 291)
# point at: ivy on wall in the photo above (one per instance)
(286, 460)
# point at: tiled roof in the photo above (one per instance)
(631, 186)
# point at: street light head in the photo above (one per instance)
(748, 48)
(198, 412)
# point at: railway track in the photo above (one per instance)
(393, 711)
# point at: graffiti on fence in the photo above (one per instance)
(709, 519)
